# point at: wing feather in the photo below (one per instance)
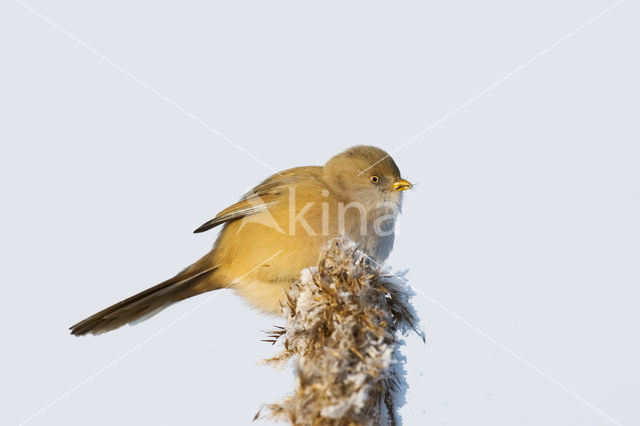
(264, 195)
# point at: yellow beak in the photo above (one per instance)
(402, 185)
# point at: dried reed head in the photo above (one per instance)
(343, 325)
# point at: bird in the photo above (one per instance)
(276, 230)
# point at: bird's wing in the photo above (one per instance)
(264, 195)
(244, 207)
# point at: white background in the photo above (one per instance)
(524, 225)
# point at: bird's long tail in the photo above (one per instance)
(192, 281)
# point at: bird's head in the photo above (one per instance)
(365, 174)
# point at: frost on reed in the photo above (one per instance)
(343, 325)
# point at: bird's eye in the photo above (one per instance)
(374, 179)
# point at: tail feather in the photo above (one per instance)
(144, 304)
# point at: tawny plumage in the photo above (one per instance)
(278, 229)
